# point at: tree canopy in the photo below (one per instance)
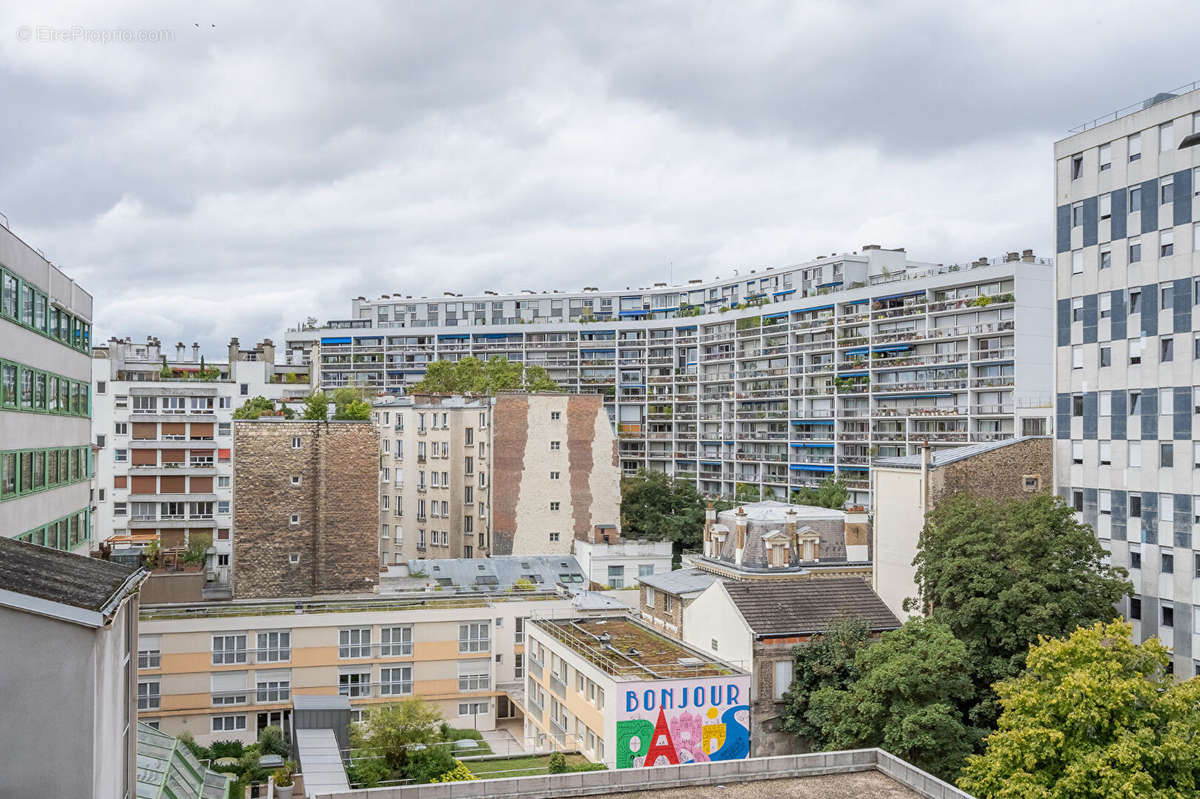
(828, 661)
(349, 403)
(656, 506)
(1092, 715)
(1001, 574)
(316, 406)
(473, 376)
(257, 406)
(831, 493)
(391, 729)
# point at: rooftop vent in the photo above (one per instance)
(1161, 97)
(633, 652)
(690, 661)
(604, 638)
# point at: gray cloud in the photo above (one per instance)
(238, 178)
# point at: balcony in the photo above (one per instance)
(557, 686)
(533, 666)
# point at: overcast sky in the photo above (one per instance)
(267, 162)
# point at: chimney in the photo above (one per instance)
(1011, 258)
(268, 350)
(790, 527)
(710, 517)
(195, 352)
(1027, 256)
(179, 350)
(739, 542)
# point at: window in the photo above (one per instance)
(274, 647)
(121, 429)
(224, 428)
(1168, 615)
(354, 642)
(1196, 462)
(1105, 157)
(555, 505)
(228, 649)
(645, 569)
(1135, 506)
(1135, 608)
(1105, 453)
(295, 442)
(1166, 190)
(1077, 309)
(1077, 262)
(1135, 255)
(1135, 559)
(1196, 245)
(1077, 357)
(554, 475)
(475, 675)
(1077, 452)
(616, 576)
(1077, 405)
(1105, 356)
(1077, 215)
(649, 597)
(120, 456)
(1106, 258)
(395, 641)
(1135, 462)
(474, 637)
(1105, 305)
(1166, 349)
(554, 536)
(473, 708)
(555, 445)
(228, 723)
(1135, 351)
(1166, 243)
(223, 506)
(355, 684)
(245, 389)
(271, 687)
(783, 678)
(222, 482)
(1166, 137)
(1077, 166)
(1167, 296)
(1135, 147)
(1104, 499)
(1135, 301)
(1135, 199)
(1166, 454)
(294, 519)
(395, 681)
(1167, 565)
(148, 695)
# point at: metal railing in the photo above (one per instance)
(1133, 108)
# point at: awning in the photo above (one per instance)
(774, 315)
(335, 341)
(809, 467)
(852, 468)
(818, 308)
(828, 285)
(711, 463)
(858, 302)
(898, 296)
(852, 374)
(896, 348)
(633, 313)
(857, 351)
(784, 292)
(685, 327)
(812, 421)
(453, 336)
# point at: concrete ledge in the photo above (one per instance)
(590, 783)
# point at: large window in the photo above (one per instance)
(227, 649)
(355, 684)
(273, 687)
(274, 647)
(474, 637)
(228, 723)
(148, 695)
(395, 681)
(474, 675)
(395, 641)
(354, 642)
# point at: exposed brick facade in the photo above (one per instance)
(510, 428)
(581, 433)
(997, 474)
(336, 498)
(669, 621)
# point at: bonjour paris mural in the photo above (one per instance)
(683, 721)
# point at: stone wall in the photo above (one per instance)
(997, 474)
(335, 541)
(669, 622)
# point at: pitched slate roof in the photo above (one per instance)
(680, 581)
(801, 607)
(501, 572)
(62, 578)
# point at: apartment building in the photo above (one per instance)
(305, 507)
(434, 492)
(777, 378)
(45, 402)
(224, 670)
(164, 438)
(67, 675)
(622, 694)
(1127, 450)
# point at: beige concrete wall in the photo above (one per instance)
(899, 515)
(713, 618)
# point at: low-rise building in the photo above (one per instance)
(67, 672)
(627, 696)
(663, 598)
(497, 573)
(906, 488)
(769, 540)
(305, 503)
(223, 670)
(756, 626)
(608, 559)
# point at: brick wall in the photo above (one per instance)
(510, 427)
(337, 500)
(997, 474)
(658, 617)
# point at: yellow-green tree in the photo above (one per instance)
(473, 376)
(1092, 715)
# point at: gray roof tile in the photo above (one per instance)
(58, 576)
(801, 607)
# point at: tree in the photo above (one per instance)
(831, 493)
(827, 661)
(473, 376)
(746, 492)
(391, 729)
(271, 742)
(424, 765)
(658, 507)
(316, 406)
(348, 403)
(1001, 574)
(909, 699)
(256, 407)
(197, 549)
(1092, 715)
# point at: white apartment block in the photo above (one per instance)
(45, 404)
(1127, 450)
(163, 437)
(778, 378)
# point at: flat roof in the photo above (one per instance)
(680, 581)
(944, 457)
(770, 510)
(631, 650)
(854, 785)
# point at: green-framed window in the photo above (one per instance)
(27, 471)
(24, 388)
(23, 303)
(66, 533)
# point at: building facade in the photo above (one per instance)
(1128, 252)
(905, 489)
(305, 505)
(45, 401)
(623, 563)
(164, 438)
(225, 670)
(622, 694)
(554, 472)
(82, 699)
(776, 379)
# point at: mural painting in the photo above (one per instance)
(672, 722)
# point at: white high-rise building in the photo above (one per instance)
(775, 379)
(1127, 452)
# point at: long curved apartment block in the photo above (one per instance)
(777, 378)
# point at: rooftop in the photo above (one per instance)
(54, 583)
(167, 768)
(628, 650)
(680, 581)
(500, 572)
(855, 785)
(944, 457)
(771, 510)
(803, 607)
(1140, 105)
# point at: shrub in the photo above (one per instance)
(366, 770)
(423, 765)
(588, 767)
(220, 749)
(557, 764)
(459, 773)
(270, 741)
(524, 584)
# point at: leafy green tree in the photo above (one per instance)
(366, 770)
(1092, 715)
(658, 507)
(391, 729)
(908, 699)
(271, 742)
(1001, 574)
(473, 376)
(253, 408)
(316, 406)
(197, 550)
(358, 410)
(831, 493)
(745, 492)
(828, 661)
(424, 765)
